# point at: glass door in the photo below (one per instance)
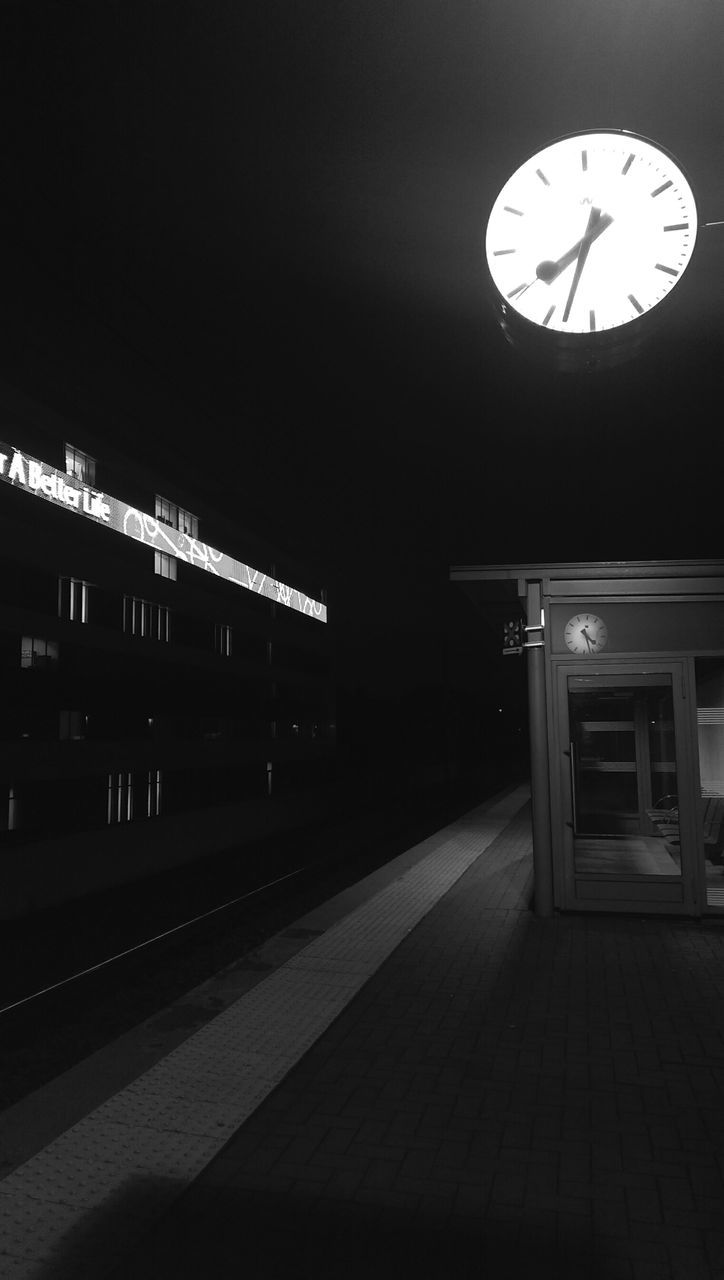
(623, 785)
(710, 736)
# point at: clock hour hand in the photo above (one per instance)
(548, 271)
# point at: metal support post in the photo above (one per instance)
(540, 794)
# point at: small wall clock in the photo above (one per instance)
(587, 238)
(585, 633)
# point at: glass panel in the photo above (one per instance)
(623, 768)
(80, 465)
(710, 733)
(165, 565)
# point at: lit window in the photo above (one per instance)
(143, 618)
(153, 793)
(222, 639)
(168, 513)
(188, 523)
(72, 724)
(37, 652)
(120, 796)
(73, 599)
(80, 465)
(123, 793)
(164, 565)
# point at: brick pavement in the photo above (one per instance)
(506, 1096)
(97, 1185)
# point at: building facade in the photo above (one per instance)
(168, 685)
(625, 666)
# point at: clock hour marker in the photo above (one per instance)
(671, 271)
(584, 160)
(664, 186)
(677, 226)
(542, 177)
(635, 303)
(548, 314)
(628, 163)
(592, 321)
(498, 253)
(509, 209)
(518, 289)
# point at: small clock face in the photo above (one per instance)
(591, 232)
(585, 633)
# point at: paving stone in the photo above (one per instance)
(457, 1060)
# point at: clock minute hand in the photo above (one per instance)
(583, 252)
(548, 271)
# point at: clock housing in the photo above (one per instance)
(586, 244)
(585, 633)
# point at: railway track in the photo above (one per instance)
(74, 979)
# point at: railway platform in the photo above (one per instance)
(420, 1078)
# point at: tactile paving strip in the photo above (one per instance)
(164, 1128)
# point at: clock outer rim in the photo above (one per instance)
(575, 349)
(586, 652)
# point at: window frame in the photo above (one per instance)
(223, 639)
(165, 565)
(31, 657)
(154, 793)
(72, 725)
(73, 598)
(85, 473)
(176, 517)
(120, 797)
(146, 618)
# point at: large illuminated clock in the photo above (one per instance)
(589, 236)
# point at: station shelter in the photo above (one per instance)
(625, 668)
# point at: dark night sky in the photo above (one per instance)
(279, 209)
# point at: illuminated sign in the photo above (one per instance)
(24, 472)
(28, 473)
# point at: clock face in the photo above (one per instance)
(585, 633)
(591, 233)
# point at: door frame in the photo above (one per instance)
(624, 892)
